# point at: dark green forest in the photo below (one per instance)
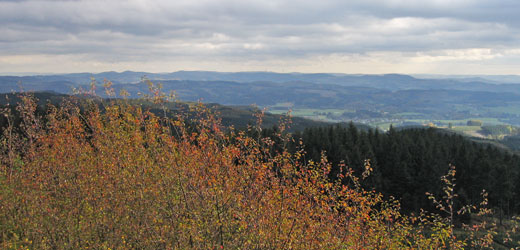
(408, 163)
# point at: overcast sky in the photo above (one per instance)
(344, 36)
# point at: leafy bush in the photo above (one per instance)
(120, 177)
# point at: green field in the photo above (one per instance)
(461, 122)
(397, 119)
(315, 114)
(466, 128)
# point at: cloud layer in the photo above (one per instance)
(356, 36)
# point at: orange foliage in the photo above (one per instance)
(124, 178)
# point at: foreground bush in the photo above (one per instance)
(124, 178)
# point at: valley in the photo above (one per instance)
(379, 101)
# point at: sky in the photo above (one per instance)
(343, 36)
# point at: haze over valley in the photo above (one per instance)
(376, 100)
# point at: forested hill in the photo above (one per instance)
(238, 116)
(408, 163)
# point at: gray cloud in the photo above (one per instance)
(134, 31)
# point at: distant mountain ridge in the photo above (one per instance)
(386, 81)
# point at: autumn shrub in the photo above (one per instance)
(122, 177)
